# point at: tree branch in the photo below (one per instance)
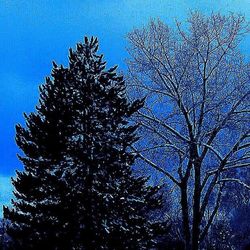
(155, 166)
(235, 180)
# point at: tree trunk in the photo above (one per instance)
(185, 215)
(196, 207)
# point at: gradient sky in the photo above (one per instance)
(33, 33)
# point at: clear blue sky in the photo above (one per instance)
(35, 32)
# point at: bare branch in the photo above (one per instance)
(169, 128)
(235, 180)
(215, 210)
(161, 170)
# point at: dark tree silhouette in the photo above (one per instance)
(77, 190)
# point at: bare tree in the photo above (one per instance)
(197, 112)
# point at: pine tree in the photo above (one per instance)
(77, 190)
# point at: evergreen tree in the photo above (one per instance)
(77, 190)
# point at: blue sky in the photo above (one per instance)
(33, 33)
